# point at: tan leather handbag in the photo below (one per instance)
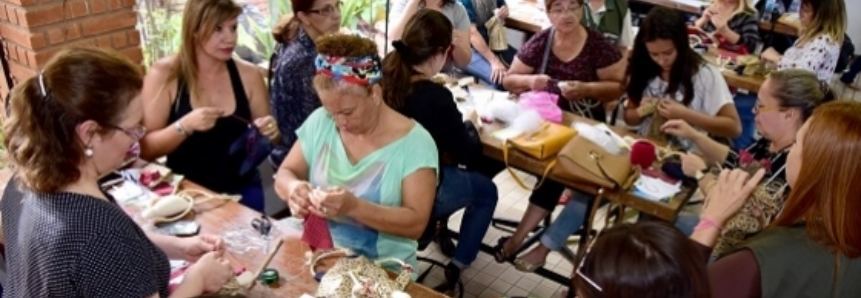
(584, 161)
(543, 145)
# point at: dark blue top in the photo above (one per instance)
(292, 95)
(477, 17)
(69, 245)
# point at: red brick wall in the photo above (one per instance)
(34, 30)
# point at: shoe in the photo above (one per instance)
(452, 278)
(499, 253)
(524, 266)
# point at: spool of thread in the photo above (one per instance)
(269, 276)
(643, 154)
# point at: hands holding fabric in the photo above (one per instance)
(268, 127)
(729, 193)
(324, 203)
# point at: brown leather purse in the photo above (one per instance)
(584, 161)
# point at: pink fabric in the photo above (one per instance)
(545, 103)
(316, 233)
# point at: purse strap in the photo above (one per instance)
(312, 263)
(547, 49)
(597, 158)
(505, 148)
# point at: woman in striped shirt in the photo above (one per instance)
(733, 20)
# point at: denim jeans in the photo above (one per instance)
(480, 67)
(458, 189)
(252, 194)
(686, 221)
(571, 218)
(744, 104)
(849, 76)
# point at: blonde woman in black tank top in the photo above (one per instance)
(200, 101)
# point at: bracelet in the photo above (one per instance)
(706, 223)
(181, 129)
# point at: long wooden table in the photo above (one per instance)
(218, 217)
(527, 16)
(665, 210)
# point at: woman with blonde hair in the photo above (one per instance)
(201, 102)
(733, 21)
(823, 28)
(291, 91)
(74, 122)
(366, 168)
(813, 248)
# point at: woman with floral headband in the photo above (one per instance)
(357, 162)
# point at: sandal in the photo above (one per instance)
(524, 266)
(499, 253)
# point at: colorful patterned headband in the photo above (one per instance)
(361, 71)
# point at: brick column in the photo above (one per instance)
(34, 30)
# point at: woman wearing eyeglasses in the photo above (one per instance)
(200, 102)
(813, 248)
(291, 91)
(589, 66)
(78, 120)
(787, 98)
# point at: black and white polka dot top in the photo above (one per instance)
(73, 245)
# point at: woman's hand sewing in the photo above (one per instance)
(691, 164)
(679, 128)
(195, 247)
(729, 193)
(211, 272)
(201, 119)
(268, 127)
(333, 202)
(299, 199)
(672, 109)
(539, 82)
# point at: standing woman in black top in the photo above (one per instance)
(200, 101)
(75, 121)
(421, 54)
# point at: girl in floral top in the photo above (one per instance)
(291, 91)
(818, 46)
(786, 99)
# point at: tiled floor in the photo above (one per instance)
(486, 278)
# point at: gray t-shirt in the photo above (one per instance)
(455, 12)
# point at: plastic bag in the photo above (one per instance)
(545, 103)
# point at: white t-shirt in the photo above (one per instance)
(711, 93)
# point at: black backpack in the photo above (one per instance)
(847, 52)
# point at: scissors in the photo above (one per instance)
(262, 225)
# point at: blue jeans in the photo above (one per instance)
(458, 189)
(252, 194)
(686, 222)
(480, 67)
(849, 76)
(744, 105)
(571, 218)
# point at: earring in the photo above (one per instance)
(88, 152)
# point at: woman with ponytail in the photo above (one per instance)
(408, 89)
(291, 91)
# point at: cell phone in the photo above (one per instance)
(182, 228)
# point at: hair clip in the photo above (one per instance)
(41, 79)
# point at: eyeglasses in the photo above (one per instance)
(579, 271)
(327, 10)
(758, 107)
(562, 10)
(136, 132)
